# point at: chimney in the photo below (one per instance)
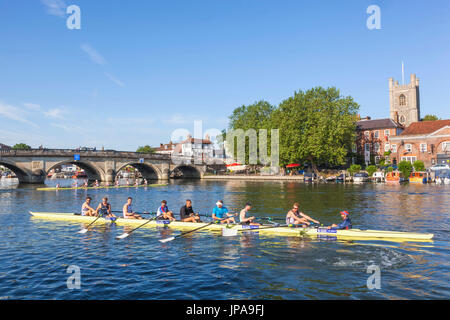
(207, 137)
(160, 145)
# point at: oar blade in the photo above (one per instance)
(123, 236)
(229, 232)
(83, 231)
(167, 239)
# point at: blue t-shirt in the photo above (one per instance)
(220, 212)
(346, 224)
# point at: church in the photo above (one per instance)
(403, 136)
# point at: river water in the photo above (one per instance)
(35, 254)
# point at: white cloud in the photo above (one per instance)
(115, 80)
(55, 7)
(93, 54)
(32, 106)
(14, 113)
(54, 113)
(177, 119)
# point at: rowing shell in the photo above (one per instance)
(281, 231)
(101, 187)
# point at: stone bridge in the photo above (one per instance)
(32, 166)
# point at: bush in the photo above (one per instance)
(354, 168)
(419, 165)
(405, 167)
(371, 170)
(390, 169)
(21, 146)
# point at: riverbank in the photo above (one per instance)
(252, 177)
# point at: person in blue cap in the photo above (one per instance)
(345, 224)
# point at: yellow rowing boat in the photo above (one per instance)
(281, 231)
(102, 187)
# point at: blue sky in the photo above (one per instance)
(137, 70)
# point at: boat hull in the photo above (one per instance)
(281, 231)
(101, 187)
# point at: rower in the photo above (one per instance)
(294, 216)
(187, 213)
(242, 216)
(145, 182)
(117, 183)
(128, 210)
(164, 213)
(96, 183)
(136, 184)
(104, 209)
(86, 209)
(345, 224)
(219, 213)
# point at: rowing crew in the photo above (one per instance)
(220, 214)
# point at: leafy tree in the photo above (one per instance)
(145, 149)
(419, 165)
(316, 126)
(21, 146)
(371, 170)
(354, 168)
(405, 167)
(390, 169)
(430, 117)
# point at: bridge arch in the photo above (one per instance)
(92, 171)
(147, 170)
(23, 175)
(185, 171)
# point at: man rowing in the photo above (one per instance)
(104, 209)
(220, 212)
(345, 224)
(164, 213)
(128, 212)
(187, 213)
(242, 216)
(294, 216)
(86, 209)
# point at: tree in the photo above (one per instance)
(390, 169)
(419, 165)
(354, 168)
(21, 146)
(371, 170)
(430, 117)
(145, 149)
(405, 167)
(316, 126)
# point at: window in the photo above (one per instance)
(387, 132)
(408, 147)
(423, 147)
(402, 119)
(376, 147)
(376, 134)
(402, 100)
(410, 159)
(394, 148)
(367, 134)
(377, 159)
(387, 147)
(367, 147)
(446, 146)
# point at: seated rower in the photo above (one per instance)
(249, 220)
(96, 184)
(104, 209)
(86, 209)
(145, 182)
(294, 216)
(164, 213)
(187, 213)
(345, 224)
(128, 210)
(220, 212)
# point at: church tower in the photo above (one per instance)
(404, 101)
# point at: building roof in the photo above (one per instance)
(193, 140)
(425, 127)
(377, 124)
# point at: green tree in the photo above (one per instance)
(21, 146)
(316, 126)
(145, 149)
(430, 117)
(354, 168)
(405, 167)
(390, 169)
(419, 165)
(371, 170)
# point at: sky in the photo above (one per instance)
(138, 70)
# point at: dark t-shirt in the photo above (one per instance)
(185, 212)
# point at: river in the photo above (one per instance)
(35, 254)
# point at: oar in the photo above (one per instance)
(84, 230)
(185, 233)
(126, 234)
(233, 232)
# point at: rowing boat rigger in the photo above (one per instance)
(263, 229)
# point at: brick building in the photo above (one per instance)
(428, 141)
(373, 137)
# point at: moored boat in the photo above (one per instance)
(419, 177)
(393, 177)
(269, 229)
